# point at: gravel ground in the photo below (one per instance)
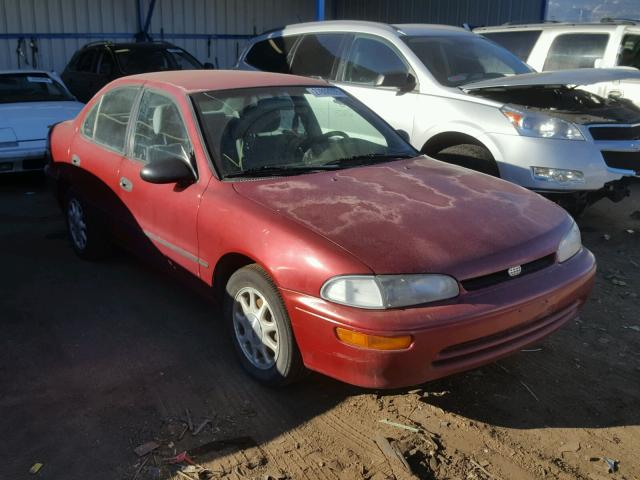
(96, 359)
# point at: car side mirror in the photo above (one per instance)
(208, 66)
(167, 170)
(403, 81)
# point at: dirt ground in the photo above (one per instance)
(96, 359)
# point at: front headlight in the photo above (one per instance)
(570, 244)
(533, 124)
(388, 291)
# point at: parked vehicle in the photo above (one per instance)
(30, 102)
(332, 243)
(98, 63)
(465, 100)
(562, 46)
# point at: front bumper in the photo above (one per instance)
(479, 328)
(520, 153)
(29, 156)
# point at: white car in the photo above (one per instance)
(462, 98)
(31, 101)
(561, 46)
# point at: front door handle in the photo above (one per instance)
(126, 184)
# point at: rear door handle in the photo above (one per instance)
(126, 184)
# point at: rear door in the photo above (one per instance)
(368, 58)
(163, 217)
(83, 76)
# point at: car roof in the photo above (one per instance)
(190, 81)
(137, 45)
(358, 26)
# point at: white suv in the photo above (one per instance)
(561, 46)
(462, 98)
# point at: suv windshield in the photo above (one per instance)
(142, 60)
(288, 130)
(458, 59)
(31, 87)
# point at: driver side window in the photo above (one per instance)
(370, 58)
(159, 130)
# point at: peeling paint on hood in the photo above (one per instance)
(418, 216)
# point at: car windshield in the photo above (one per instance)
(143, 60)
(290, 130)
(455, 60)
(31, 87)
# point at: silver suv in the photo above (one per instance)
(462, 98)
(561, 46)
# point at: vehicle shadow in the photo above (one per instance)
(97, 358)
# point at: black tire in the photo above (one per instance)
(96, 244)
(475, 157)
(287, 365)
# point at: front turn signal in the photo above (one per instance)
(373, 342)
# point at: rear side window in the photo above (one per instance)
(519, 43)
(113, 116)
(272, 55)
(86, 61)
(629, 55)
(370, 58)
(317, 54)
(576, 50)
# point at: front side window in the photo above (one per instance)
(31, 87)
(520, 43)
(576, 50)
(159, 131)
(182, 60)
(629, 55)
(112, 117)
(455, 60)
(371, 59)
(106, 67)
(290, 130)
(142, 60)
(272, 55)
(317, 54)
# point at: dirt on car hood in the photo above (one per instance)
(418, 215)
(575, 77)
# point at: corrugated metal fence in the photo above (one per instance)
(77, 22)
(451, 12)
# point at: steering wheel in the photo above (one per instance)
(309, 143)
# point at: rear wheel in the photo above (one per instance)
(261, 329)
(88, 238)
(475, 157)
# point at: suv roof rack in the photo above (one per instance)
(620, 21)
(97, 42)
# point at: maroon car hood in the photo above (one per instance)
(418, 215)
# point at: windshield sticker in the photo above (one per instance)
(39, 80)
(326, 92)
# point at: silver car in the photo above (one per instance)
(463, 99)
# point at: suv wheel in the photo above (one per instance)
(261, 330)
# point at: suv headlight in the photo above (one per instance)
(533, 124)
(570, 244)
(388, 291)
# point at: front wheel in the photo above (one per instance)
(261, 329)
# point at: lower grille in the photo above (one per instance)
(630, 132)
(623, 160)
(33, 164)
(504, 341)
(502, 276)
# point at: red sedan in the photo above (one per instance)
(331, 243)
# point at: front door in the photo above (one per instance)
(163, 216)
(370, 59)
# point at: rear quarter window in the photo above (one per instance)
(317, 55)
(272, 54)
(519, 43)
(576, 50)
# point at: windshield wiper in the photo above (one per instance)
(276, 170)
(376, 157)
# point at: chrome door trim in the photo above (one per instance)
(176, 249)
